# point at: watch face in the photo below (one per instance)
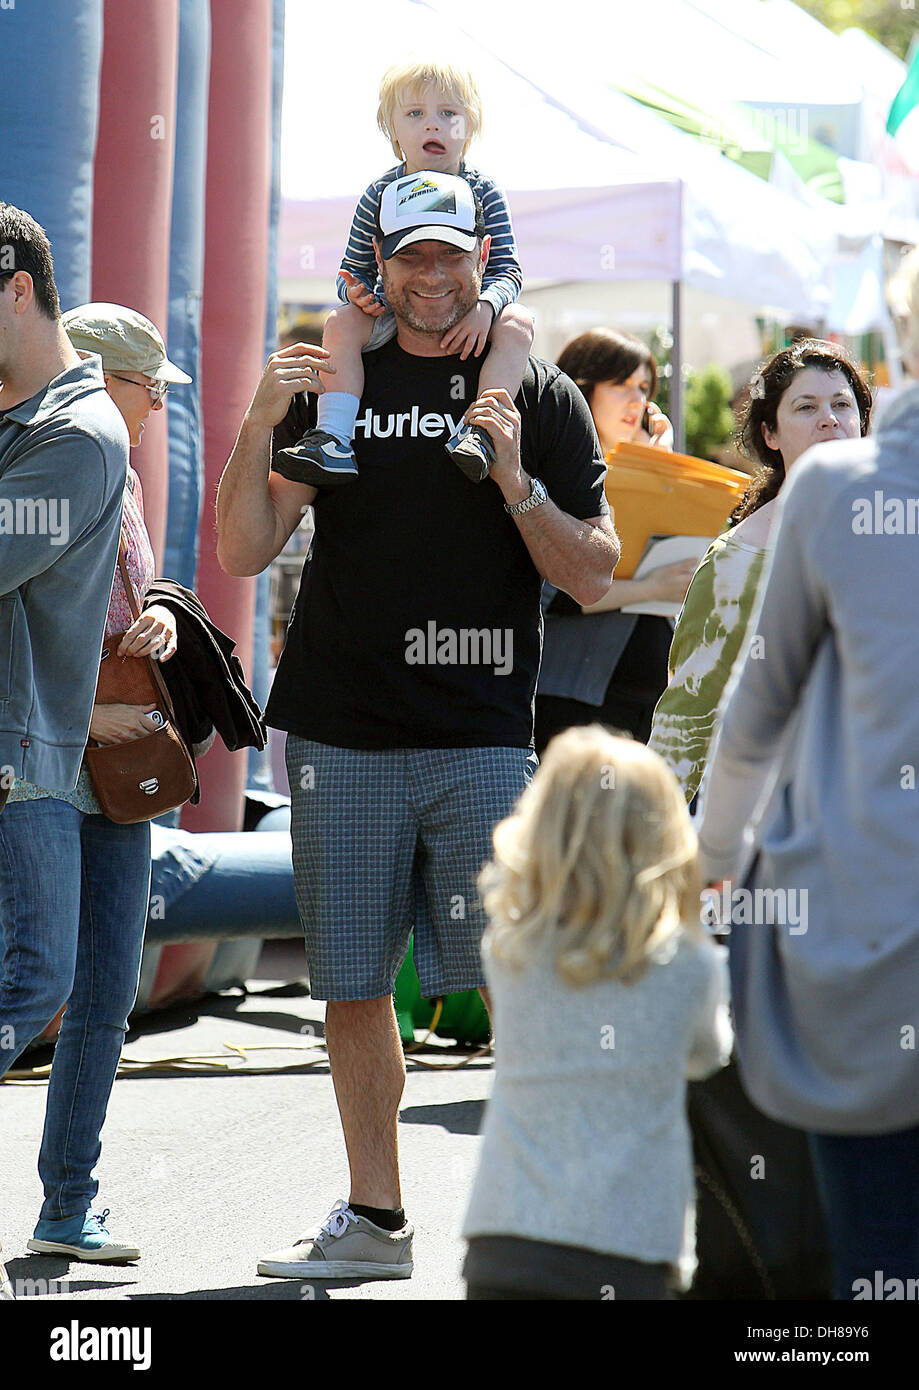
(537, 495)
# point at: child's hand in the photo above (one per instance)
(359, 295)
(471, 333)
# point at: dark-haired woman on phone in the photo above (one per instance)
(599, 663)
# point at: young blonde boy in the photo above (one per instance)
(430, 112)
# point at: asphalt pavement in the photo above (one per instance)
(228, 1155)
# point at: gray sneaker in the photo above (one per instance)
(346, 1246)
(6, 1288)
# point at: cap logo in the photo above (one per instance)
(425, 196)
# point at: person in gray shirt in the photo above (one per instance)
(63, 465)
(816, 755)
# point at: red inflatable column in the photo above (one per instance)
(133, 197)
(232, 330)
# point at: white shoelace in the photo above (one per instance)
(336, 1223)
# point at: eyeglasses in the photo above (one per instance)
(157, 390)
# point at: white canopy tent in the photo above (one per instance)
(595, 180)
(745, 63)
(667, 210)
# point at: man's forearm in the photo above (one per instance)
(249, 530)
(573, 555)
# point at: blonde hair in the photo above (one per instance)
(410, 76)
(598, 863)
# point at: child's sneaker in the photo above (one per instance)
(346, 1246)
(472, 450)
(82, 1238)
(318, 459)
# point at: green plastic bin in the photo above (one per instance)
(464, 1017)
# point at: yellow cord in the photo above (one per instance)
(211, 1062)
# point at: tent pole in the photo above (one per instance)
(676, 379)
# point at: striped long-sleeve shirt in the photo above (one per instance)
(502, 279)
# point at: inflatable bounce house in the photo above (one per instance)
(147, 145)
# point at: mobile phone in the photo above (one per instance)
(646, 421)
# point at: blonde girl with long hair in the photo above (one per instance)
(607, 996)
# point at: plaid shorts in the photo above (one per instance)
(387, 841)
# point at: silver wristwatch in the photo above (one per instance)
(537, 496)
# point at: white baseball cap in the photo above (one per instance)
(428, 206)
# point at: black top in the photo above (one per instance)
(641, 673)
(417, 623)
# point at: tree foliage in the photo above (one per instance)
(893, 24)
(709, 419)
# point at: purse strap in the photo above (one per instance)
(132, 600)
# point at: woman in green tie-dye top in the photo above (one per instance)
(803, 395)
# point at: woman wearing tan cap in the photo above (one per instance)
(91, 912)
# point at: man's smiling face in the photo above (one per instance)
(431, 285)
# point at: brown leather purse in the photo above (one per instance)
(147, 776)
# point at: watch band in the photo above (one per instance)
(537, 496)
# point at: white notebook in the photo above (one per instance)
(666, 550)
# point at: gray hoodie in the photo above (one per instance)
(63, 463)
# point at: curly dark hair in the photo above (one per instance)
(764, 393)
(602, 354)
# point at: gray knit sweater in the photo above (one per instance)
(585, 1139)
(818, 753)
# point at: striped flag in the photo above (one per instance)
(903, 121)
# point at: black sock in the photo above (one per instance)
(383, 1217)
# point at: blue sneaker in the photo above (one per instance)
(471, 450)
(318, 459)
(82, 1238)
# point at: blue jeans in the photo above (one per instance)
(869, 1186)
(74, 890)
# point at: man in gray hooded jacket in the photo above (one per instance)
(63, 463)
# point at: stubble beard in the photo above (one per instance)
(401, 307)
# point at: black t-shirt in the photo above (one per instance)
(417, 623)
